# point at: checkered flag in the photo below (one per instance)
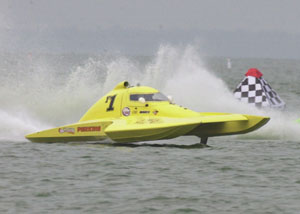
(257, 92)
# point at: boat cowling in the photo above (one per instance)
(122, 85)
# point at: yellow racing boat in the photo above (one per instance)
(140, 113)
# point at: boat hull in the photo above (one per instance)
(229, 127)
(152, 128)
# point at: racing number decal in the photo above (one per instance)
(112, 100)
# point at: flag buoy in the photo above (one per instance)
(253, 89)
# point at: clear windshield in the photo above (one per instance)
(149, 97)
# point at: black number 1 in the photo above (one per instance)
(112, 100)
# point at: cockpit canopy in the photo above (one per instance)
(149, 97)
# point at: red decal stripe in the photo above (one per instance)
(89, 129)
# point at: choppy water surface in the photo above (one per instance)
(254, 173)
(231, 176)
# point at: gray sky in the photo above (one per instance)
(45, 24)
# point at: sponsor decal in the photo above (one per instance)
(141, 121)
(67, 130)
(144, 112)
(126, 111)
(154, 120)
(146, 121)
(155, 112)
(89, 129)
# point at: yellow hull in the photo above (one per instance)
(229, 127)
(124, 115)
(145, 129)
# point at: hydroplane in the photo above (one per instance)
(140, 113)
